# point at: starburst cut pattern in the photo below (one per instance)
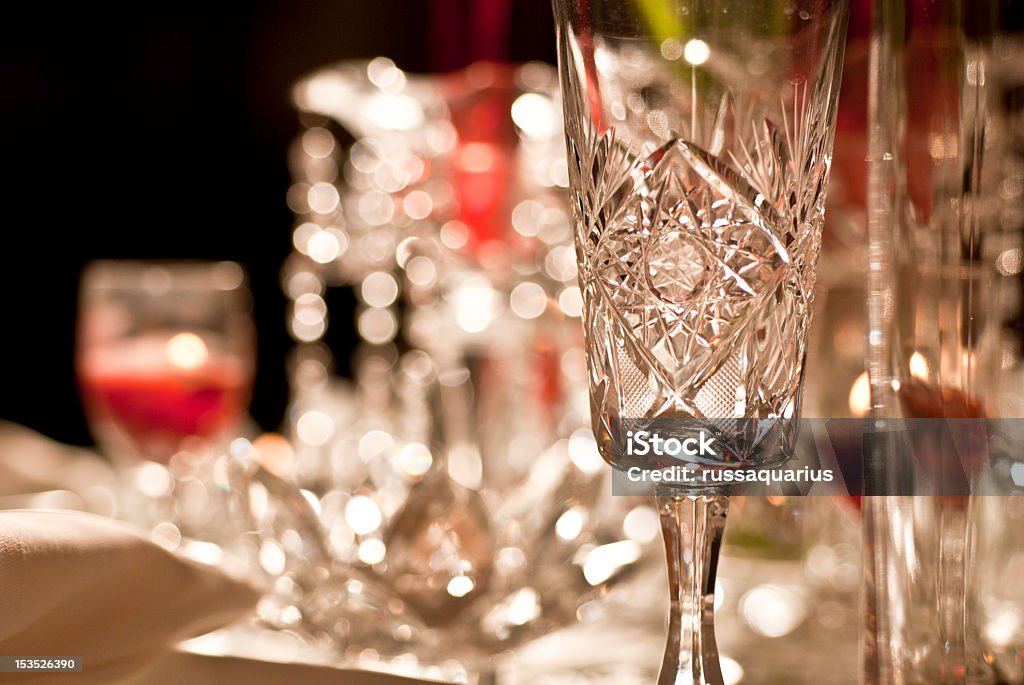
(698, 268)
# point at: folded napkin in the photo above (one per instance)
(36, 471)
(76, 584)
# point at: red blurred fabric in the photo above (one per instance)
(467, 31)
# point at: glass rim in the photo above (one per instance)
(160, 276)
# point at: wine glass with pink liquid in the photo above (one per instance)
(164, 357)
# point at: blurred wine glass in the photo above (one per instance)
(165, 356)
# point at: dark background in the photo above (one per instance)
(161, 132)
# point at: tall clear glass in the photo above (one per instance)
(944, 222)
(699, 135)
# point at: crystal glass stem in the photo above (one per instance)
(921, 625)
(951, 597)
(692, 527)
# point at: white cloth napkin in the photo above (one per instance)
(76, 584)
(31, 463)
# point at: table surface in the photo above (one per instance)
(620, 645)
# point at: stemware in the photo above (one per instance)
(699, 135)
(164, 357)
(455, 478)
(944, 229)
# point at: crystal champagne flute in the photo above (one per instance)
(699, 135)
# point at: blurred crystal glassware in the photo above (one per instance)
(699, 135)
(165, 356)
(944, 221)
(448, 230)
(835, 379)
(999, 600)
(453, 477)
